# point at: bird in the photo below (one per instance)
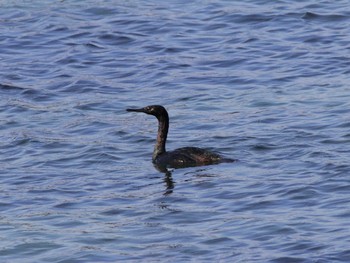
(181, 157)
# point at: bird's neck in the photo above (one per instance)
(163, 127)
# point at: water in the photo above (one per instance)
(265, 82)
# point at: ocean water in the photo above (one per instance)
(264, 82)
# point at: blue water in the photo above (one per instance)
(264, 82)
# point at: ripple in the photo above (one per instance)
(326, 18)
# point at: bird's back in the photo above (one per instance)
(187, 157)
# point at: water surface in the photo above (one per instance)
(266, 83)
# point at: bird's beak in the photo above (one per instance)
(136, 110)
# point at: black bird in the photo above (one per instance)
(179, 158)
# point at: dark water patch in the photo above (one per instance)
(4, 206)
(302, 193)
(101, 11)
(288, 260)
(324, 18)
(264, 147)
(175, 50)
(256, 18)
(114, 39)
(9, 87)
(67, 205)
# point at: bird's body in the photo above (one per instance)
(187, 157)
(179, 158)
